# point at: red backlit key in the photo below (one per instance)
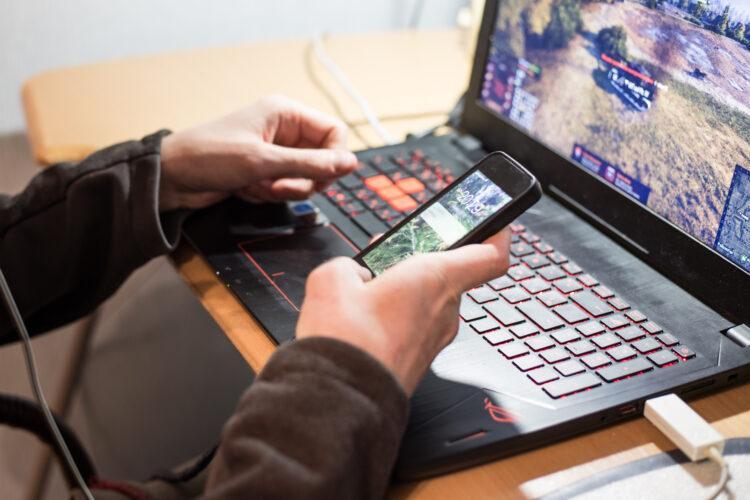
(410, 185)
(390, 192)
(684, 351)
(403, 203)
(378, 182)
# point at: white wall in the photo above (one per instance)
(36, 35)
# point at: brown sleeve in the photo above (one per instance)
(322, 420)
(77, 231)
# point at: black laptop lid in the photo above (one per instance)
(637, 114)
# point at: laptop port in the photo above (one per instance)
(628, 409)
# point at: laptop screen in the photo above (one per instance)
(652, 96)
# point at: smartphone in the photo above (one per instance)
(477, 205)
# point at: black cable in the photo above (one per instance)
(20, 413)
(36, 386)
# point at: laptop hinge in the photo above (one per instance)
(740, 334)
(561, 194)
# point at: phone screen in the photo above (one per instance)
(446, 220)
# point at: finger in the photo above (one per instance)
(315, 164)
(341, 271)
(299, 123)
(470, 266)
(292, 189)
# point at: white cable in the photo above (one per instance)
(697, 439)
(15, 314)
(339, 75)
(715, 456)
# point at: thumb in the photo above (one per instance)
(467, 267)
(316, 164)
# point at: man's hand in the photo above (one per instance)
(405, 316)
(275, 149)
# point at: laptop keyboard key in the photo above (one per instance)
(603, 292)
(651, 327)
(540, 315)
(588, 280)
(614, 322)
(619, 304)
(555, 355)
(635, 316)
(469, 311)
(684, 351)
(667, 339)
(552, 298)
(523, 330)
(622, 370)
(551, 273)
(530, 362)
(571, 313)
(591, 303)
(535, 285)
(535, 261)
(606, 340)
(501, 283)
(498, 337)
(520, 272)
(520, 249)
(543, 375)
(504, 313)
(542, 247)
(580, 348)
(570, 368)
(630, 333)
(540, 343)
(485, 325)
(557, 258)
(515, 295)
(590, 328)
(567, 386)
(572, 268)
(621, 353)
(369, 223)
(596, 360)
(350, 181)
(647, 345)
(530, 237)
(513, 350)
(662, 358)
(482, 295)
(565, 335)
(568, 285)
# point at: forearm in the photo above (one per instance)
(322, 420)
(78, 230)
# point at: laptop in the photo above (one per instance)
(629, 279)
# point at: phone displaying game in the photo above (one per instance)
(477, 205)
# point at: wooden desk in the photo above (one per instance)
(399, 80)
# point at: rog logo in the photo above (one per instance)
(498, 413)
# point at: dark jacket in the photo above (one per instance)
(322, 420)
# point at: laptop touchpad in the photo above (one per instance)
(285, 260)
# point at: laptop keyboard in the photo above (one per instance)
(383, 190)
(547, 316)
(557, 324)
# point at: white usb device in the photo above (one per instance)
(693, 435)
